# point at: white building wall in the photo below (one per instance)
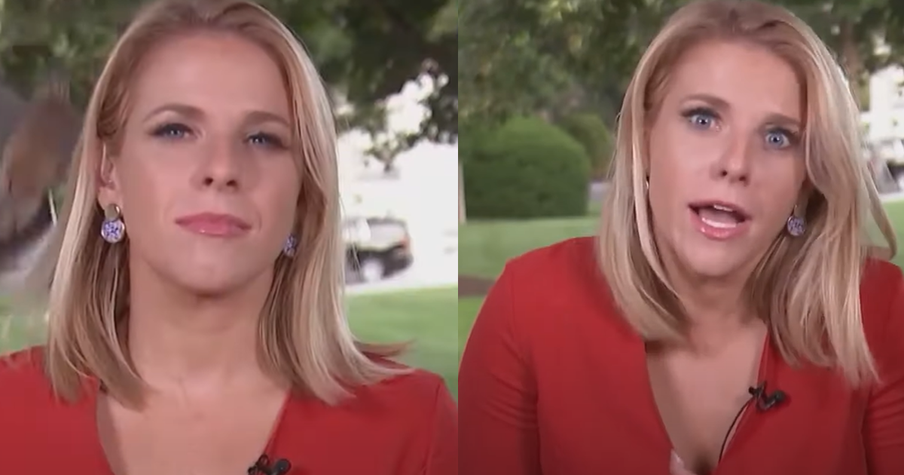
(885, 117)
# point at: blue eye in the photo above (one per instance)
(266, 140)
(778, 139)
(173, 131)
(701, 118)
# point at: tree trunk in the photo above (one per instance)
(851, 61)
(462, 215)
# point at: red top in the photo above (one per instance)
(554, 382)
(405, 426)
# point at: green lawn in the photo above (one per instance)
(425, 317)
(484, 247)
(895, 212)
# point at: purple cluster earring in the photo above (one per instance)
(290, 246)
(796, 226)
(113, 228)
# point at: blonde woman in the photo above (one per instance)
(727, 319)
(196, 314)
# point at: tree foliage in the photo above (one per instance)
(865, 35)
(553, 57)
(367, 51)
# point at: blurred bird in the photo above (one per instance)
(35, 160)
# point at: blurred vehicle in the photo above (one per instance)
(376, 248)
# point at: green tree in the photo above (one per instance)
(551, 56)
(366, 50)
(865, 35)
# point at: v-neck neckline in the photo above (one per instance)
(92, 401)
(763, 372)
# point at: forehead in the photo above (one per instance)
(744, 75)
(210, 70)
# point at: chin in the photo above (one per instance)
(713, 265)
(212, 280)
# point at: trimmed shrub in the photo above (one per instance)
(528, 168)
(591, 132)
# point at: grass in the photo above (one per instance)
(427, 317)
(484, 247)
(895, 211)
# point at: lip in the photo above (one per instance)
(725, 204)
(719, 233)
(214, 224)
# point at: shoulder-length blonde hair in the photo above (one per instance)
(806, 288)
(303, 333)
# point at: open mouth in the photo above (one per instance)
(720, 215)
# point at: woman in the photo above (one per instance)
(727, 319)
(195, 315)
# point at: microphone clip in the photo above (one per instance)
(765, 401)
(263, 466)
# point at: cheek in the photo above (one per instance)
(676, 166)
(278, 201)
(142, 188)
(781, 188)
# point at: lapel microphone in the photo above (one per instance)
(263, 466)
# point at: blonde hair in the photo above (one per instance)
(303, 334)
(807, 289)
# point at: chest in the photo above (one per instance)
(597, 412)
(701, 400)
(215, 440)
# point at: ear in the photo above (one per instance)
(107, 180)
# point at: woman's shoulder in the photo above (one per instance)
(556, 281)
(23, 369)
(567, 268)
(402, 424)
(414, 394)
(567, 259)
(25, 389)
(880, 275)
(881, 299)
(416, 402)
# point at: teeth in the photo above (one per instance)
(719, 224)
(722, 208)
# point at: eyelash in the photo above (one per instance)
(690, 114)
(169, 131)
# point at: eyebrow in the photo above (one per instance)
(719, 103)
(253, 116)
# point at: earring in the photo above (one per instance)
(290, 246)
(113, 228)
(796, 226)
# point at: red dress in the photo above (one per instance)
(404, 426)
(554, 382)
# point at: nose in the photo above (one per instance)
(735, 161)
(220, 167)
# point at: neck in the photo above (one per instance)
(178, 339)
(715, 307)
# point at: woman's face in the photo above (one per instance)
(204, 175)
(726, 166)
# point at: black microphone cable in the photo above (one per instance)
(764, 402)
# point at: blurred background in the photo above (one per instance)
(392, 68)
(543, 80)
